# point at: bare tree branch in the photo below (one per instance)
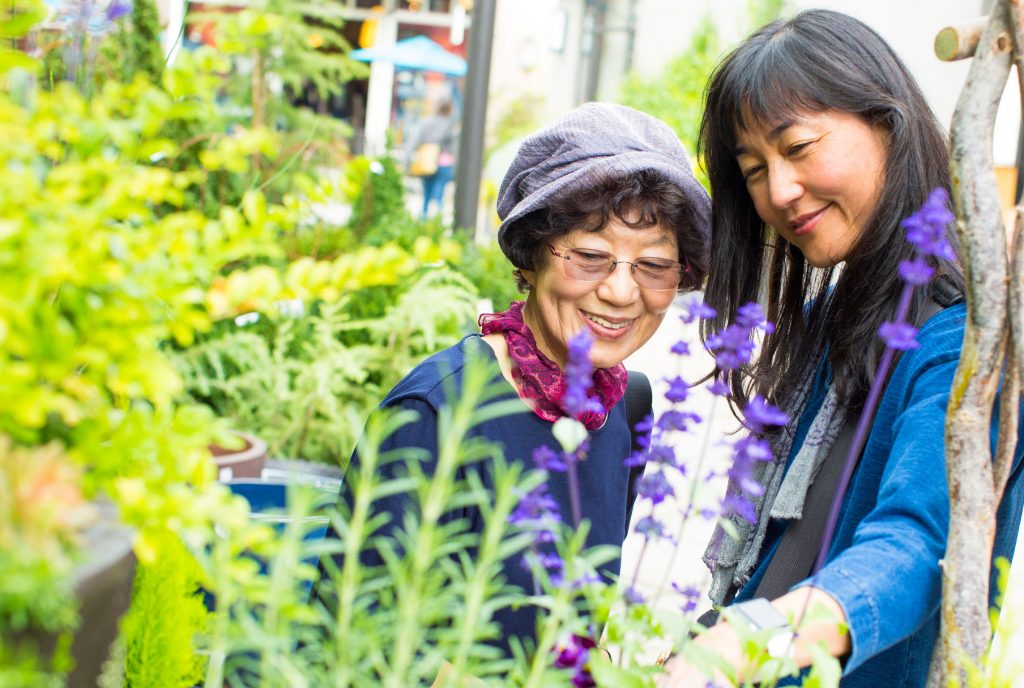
(965, 623)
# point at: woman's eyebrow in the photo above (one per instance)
(772, 135)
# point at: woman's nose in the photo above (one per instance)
(784, 186)
(619, 287)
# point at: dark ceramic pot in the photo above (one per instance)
(103, 585)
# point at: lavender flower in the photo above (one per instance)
(691, 594)
(654, 486)
(651, 528)
(116, 10)
(898, 335)
(759, 415)
(696, 309)
(732, 347)
(680, 421)
(579, 372)
(547, 459)
(926, 228)
(678, 390)
(738, 505)
(633, 596)
(752, 317)
(537, 511)
(916, 271)
(718, 387)
(680, 348)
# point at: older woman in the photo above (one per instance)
(604, 224)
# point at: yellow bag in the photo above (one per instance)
(424, 160)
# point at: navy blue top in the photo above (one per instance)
(883, 563)
(603, 479)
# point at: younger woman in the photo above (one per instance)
(818, 142)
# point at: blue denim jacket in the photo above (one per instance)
(883, 563)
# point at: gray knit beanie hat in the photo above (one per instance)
(590, 143)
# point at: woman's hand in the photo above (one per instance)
(821, 622)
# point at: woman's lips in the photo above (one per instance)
(806, 223)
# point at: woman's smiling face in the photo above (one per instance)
(620, 315)
(815, 178)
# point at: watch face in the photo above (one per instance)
(760, 614)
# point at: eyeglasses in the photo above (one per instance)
(589, 265)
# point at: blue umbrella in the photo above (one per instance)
(419, 53)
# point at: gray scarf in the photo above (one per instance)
(732, 562)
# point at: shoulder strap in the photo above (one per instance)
(793, 561)
(638, 406)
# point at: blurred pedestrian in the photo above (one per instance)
(432, 155)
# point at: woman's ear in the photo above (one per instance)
(530, 276)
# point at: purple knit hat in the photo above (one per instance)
(592, 142)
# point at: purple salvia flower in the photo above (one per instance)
(680, 348)
(650, 528)
(752, 317)
(759, 415)
(633, 596)
(678, 390)
(696, 309)
(547, 459)
(537, 512)
(732, 347)
(926, 228)
(718, 387)
(691, 594)
(579, 373)
(739, 505)
(916, 271)
(662, 453)
(637, 458)
(654, 486)
(677, 420)
(898, 335)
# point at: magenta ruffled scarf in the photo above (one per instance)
(540, 379)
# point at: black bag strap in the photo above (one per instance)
(638, 405)
(794, 559)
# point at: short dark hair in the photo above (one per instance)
(817, 61)
(638, 200)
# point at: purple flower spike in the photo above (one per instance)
(697, 309)
(651, 528)
(678, 390)
(654, 486)
(680, 348)
(740, 506)
(677, 420)
(117, 9)
(579, 378)
(719, 387)
(732, 347)
(916, 271)
(691, 594)
(898, 335)
(760, 415)
(633, 596)
(926, 228)
(547, 459)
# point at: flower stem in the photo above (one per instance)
(574, 491)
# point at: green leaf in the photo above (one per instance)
(14, 59)
(18, 23)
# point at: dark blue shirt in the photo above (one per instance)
(603, 478)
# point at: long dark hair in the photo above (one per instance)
(817, 61)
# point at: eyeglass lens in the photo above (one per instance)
(651, 273)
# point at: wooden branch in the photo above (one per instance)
(969, 469)
(959, 42)
(1013, 381)
(1015, 348)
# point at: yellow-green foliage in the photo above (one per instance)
(166, 619)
